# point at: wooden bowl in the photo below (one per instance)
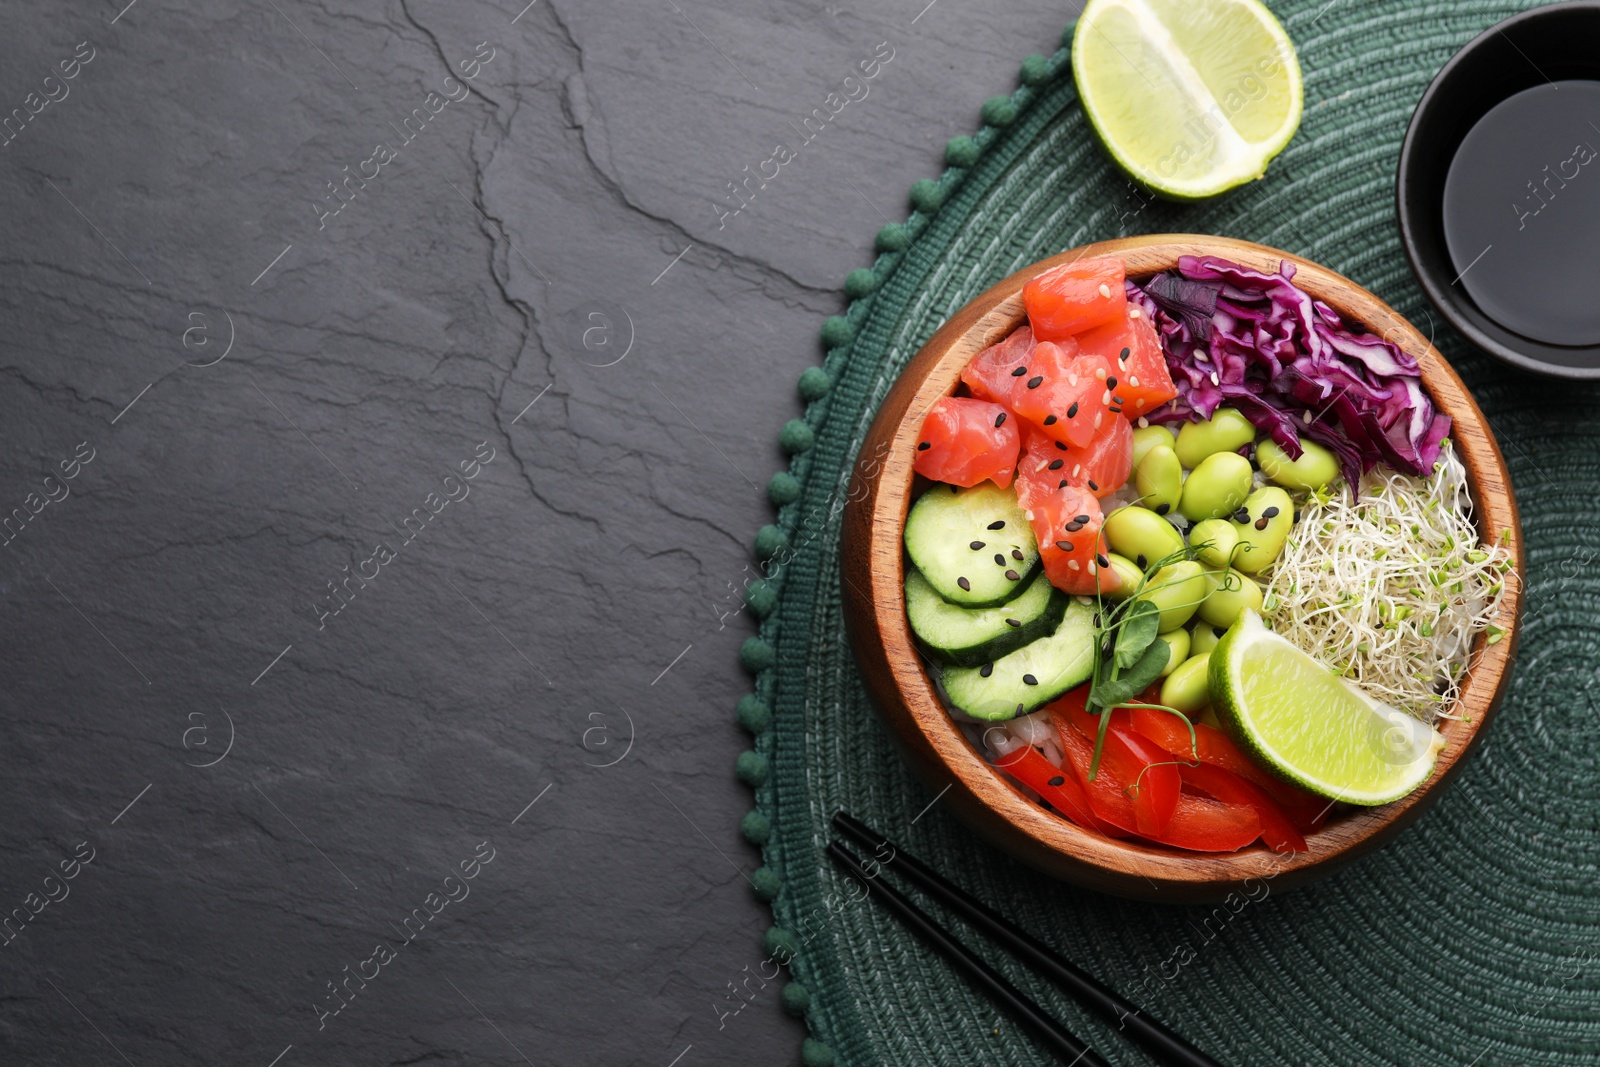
(874, 601)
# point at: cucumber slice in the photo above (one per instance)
(1002, 690)
(974, 546)
(971, 637)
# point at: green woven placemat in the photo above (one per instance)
(1475, 938)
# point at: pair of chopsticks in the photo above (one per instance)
(1166, 1046)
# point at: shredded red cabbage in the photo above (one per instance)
(1289, 364)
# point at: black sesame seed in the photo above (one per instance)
(1019, 372)
(999, 420)
(1092, 487)
(1013, 622)
(1270, 513)
(1296, 514)
(998, 524)
(1261, 523)
(1072, 412)
(1057, 464)
(1141, 561)
(975, 545)
(1028, 679)
(1242, 515)
(1019, 707)
(1016, 554)
(1072, 527)
(1062, 484)
(1081, 520)
(1065, 546)
(1163, 508)
(1014, 576)
(1101, 559)
(1061, 446)
(1117, 400)
(999, 560)
(1057, 780)
(1049, 420)
(1126, 352)
(964, 584)
(924, 446)
(1036, 381)
(986, 670)
(1111, 382)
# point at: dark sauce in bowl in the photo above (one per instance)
(1522, 213)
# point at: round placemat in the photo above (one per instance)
(1473, 938)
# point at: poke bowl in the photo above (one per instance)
(1185, 566)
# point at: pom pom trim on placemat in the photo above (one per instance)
(757, 654)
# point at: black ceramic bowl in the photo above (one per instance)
(1547, 45)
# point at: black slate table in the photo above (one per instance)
(387, 399)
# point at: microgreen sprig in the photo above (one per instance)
(1129, 654)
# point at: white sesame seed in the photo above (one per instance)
(1105, 397)
(1100, 372)
(1105, 290)
(1214, 379)
(1134, 381)
(1133, 313)
(1144, 423)
(1099, 417)
(1077, 468)
(1093, 568)
(1073, 564)
(1306, 417)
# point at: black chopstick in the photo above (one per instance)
(1059, 1039)
(1161, 1042)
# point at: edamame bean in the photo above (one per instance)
(1187, 688)
(1268, 515)
(1225, 431)
(1176, 590)
(1149, 437)
(1203, 637)
(1216, 487)
(1230, 593)
(1142, 536)
(1213, 541)
(1315, 468)
(1177, 650)
(1159, 479)
(1128, 577)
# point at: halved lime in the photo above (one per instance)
(1311, 726)
(1190, 97)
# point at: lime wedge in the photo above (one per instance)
(1312, 727)
(1190, 97)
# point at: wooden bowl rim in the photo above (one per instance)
(934, 373)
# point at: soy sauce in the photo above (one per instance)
(1522, 213)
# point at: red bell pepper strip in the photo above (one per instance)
(1277, 830)
(1137, 785)
(1214, 747)
(1202, 825)
(1195, 822)
(1156, 786)
(1108, 796)
(1058, 786)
